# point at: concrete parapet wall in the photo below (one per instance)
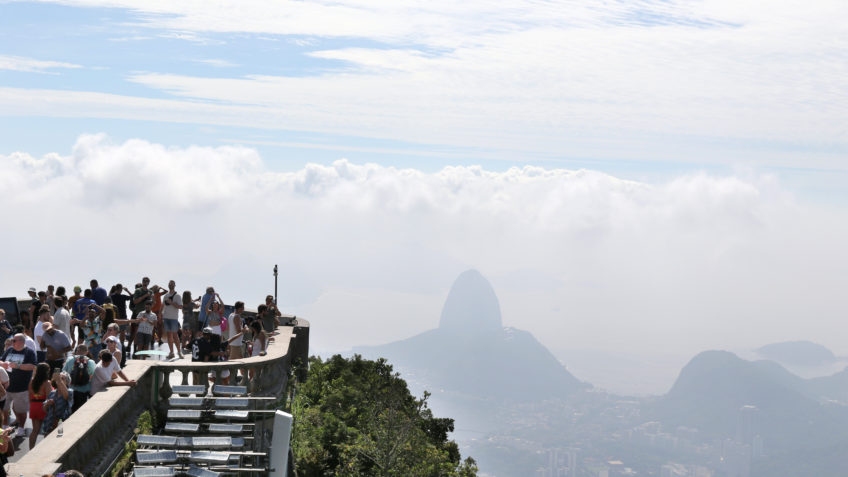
(97, 432)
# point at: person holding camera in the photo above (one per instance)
(59, 402)
(173, 303)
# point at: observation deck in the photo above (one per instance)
(95, 435)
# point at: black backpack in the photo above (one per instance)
(79, 373)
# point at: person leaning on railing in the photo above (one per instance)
(7, 449)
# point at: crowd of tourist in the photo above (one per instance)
(65, 349)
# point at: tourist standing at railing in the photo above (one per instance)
(92, 329)
(39, 388)
(5, 326)
(140, 297)
(60, 292)
(62, 318)
(172, 304)
(106, 373)
(80, 311)
(98, 293)
(260, 339)
(214, 314)
(56, 345)
(144, 335)
(38, 331)
(4, 383)
(158, 292)
(73, 298)
(235, 325)
(271, 316)
(28, 342)
(35, 309)
(120, 300)
(206, 347)
(81, 370)
(50, 297)
(190, 327)
(207, 297)
(7, 449)
(33, 295)
(59, 402)
(20, 361)
(112, 346)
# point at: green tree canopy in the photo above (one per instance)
(356, 417)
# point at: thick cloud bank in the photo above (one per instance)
(368, 252)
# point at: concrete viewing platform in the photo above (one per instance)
(95, 435)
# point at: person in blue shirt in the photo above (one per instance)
(204, 303)
(80, 311)
(98, 293)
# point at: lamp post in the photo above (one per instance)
(275, 284)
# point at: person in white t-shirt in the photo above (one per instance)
(30, 343)
(62, 319)
(38, 329)
(146, 320)
(105, 374)
(171, 305)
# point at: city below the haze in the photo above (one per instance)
(520, 412)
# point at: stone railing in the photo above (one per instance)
(97, 432)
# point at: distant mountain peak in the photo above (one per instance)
(797, 353)
(471, 305)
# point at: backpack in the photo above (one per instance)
(79, 373)
(225, 324)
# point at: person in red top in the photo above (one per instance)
(39, 388)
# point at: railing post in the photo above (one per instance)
(165, 391)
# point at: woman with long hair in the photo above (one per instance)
(190, 327)
(39, 388)
(214, 314)
(260, 342)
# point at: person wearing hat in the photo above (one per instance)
(205, 347)
(56, 346)
(76, 296)
(112, 346)
(106, 374)
(201, 351)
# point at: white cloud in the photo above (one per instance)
(31, 65)
(697, 261)
(682, 80)
(217, 63)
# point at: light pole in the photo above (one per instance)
(275, 284)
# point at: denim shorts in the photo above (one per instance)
(171, 325)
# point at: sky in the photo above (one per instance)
(629, 175)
